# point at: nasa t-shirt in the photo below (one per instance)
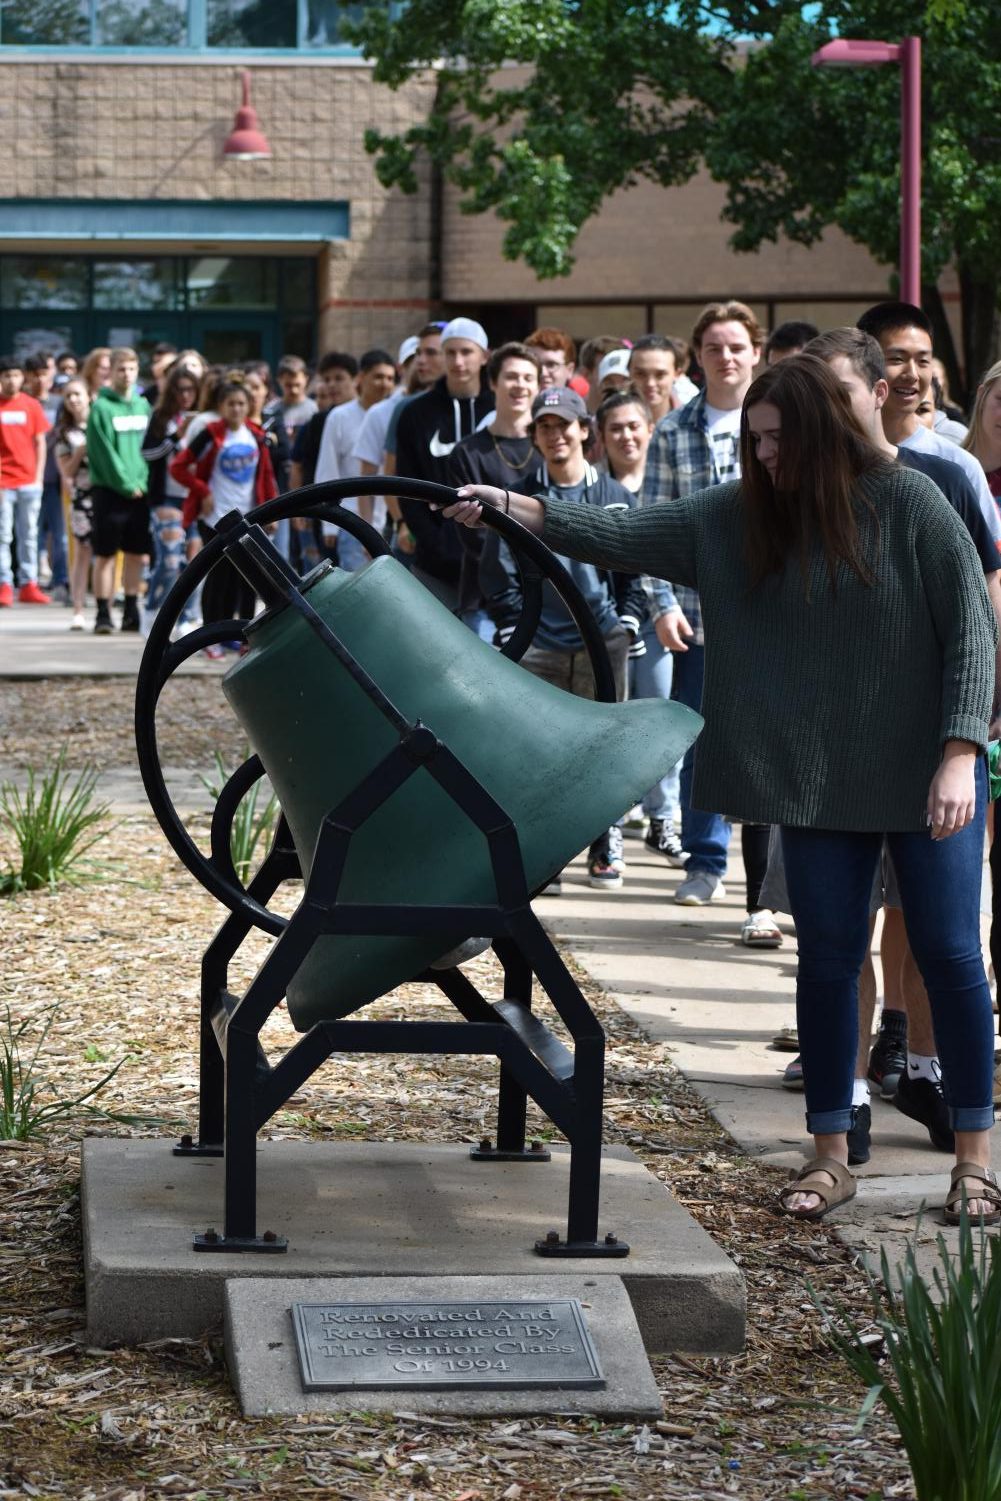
(232, 482)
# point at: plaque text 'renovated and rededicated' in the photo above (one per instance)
(520, 1343)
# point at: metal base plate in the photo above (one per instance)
(610, 1246)
(487, 1153)
(266, 1244)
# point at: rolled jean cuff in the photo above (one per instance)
(971, 1117)
(832, 1122)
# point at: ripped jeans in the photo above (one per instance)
(169, 558)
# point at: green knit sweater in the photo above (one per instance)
(825, 712)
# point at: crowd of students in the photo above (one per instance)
(602, 433)
(833, 608)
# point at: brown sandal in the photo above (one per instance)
(955, 1204)
(808, 1180)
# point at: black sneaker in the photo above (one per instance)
(130, 620)
(655, 833)
(103, 626)
(888, 1059)
(858, 1135)
(661, 836)
(923, 1101)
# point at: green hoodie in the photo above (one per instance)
(115, 431)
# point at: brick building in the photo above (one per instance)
(122, 222)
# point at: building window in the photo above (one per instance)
(252, 23)
(141, 23)
(196, 25)
(28, 282)
(137, 286)
(230, 307)
(231, 281)
(45, 23)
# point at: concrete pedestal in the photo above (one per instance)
(367, 1209)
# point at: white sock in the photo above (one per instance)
(860, 1092)
(921, 1067)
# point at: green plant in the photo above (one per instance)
(22, 1116)
(251, 825)
(940, 1376)
(53, 822)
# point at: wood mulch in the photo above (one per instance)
(115, 963)
(93, 719)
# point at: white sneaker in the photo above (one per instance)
(699, 889)
(78, 623)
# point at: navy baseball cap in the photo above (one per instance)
(562, 402)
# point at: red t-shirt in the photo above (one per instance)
(21, 420)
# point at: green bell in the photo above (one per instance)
(562, 768)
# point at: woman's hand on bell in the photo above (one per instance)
(468, 509)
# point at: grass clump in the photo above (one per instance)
(23, 1115)
(54, 825)
(253, 823)
(937, 1368)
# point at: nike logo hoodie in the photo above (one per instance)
(429, 429)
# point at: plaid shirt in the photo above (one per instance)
(681, 461)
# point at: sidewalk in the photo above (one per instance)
(36, 642)
(680, 972)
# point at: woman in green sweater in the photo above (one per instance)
(849, 685)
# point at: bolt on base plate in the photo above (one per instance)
(188, 1147)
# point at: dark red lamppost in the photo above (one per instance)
(859, 54)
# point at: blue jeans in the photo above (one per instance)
(20, 508)
(706, 836)
(830, 875)
(350, 554)
(169, 558)
(479, 623)
(650, 677)
(52, 524)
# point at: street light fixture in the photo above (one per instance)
(861, 54)
(246, 142)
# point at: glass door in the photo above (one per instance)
(231, 338)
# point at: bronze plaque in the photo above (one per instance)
(517, 1343)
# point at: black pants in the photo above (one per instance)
(226, 595)
(754, 848)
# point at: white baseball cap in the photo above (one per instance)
(465, 328)
(408, 349)
(615, 363)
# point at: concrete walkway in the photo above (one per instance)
(680, 972)
(36, 642)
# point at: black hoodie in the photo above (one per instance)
(429, 429)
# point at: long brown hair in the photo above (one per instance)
(825, 459)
